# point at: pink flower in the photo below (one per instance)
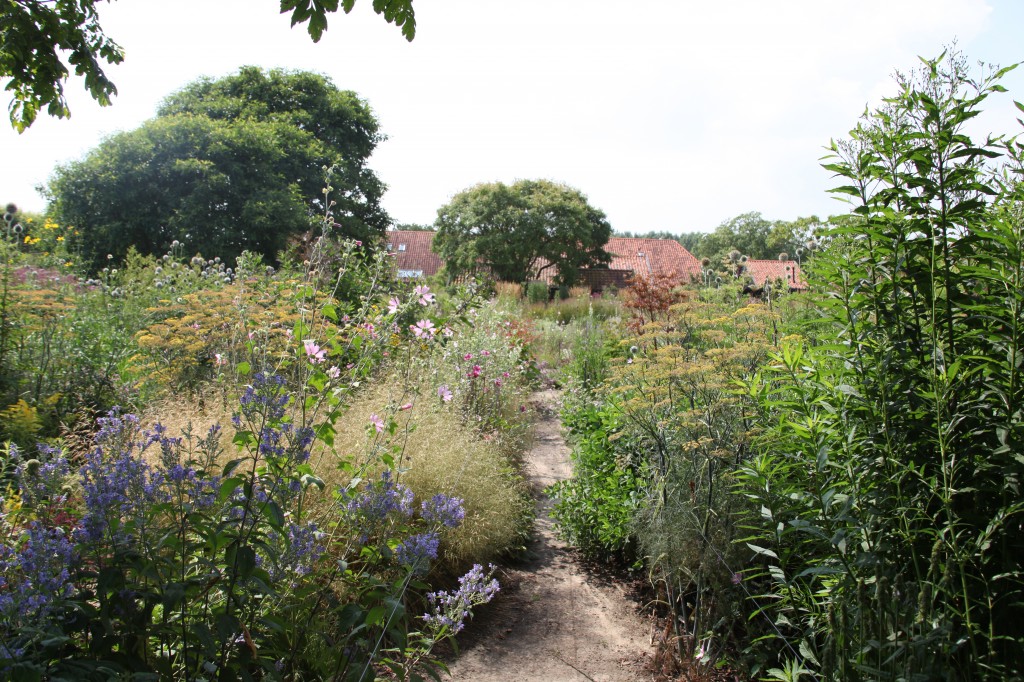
(448, 331)
(194, 325)
(358, 243)
(424, 329)
(219, 360)
(426, 298)
(467, 356)
(251, 335)
(315, 353)
(444, 393)
(377, 422)
(289, 333)
(404, 408)
(497, 382)
(485, 353)
(334, 372)
(475, 372)
(393, 305)
(506, 375)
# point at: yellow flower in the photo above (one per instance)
(60, 239)
(68, 264)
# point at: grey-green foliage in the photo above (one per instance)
(890, 480)
(590, 363)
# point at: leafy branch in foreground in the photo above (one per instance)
(37, 32)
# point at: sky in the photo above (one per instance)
(670, 115)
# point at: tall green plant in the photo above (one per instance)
(890, 483)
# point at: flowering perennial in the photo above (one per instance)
(451, 609)
(443, 510)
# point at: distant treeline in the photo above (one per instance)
(750, 233)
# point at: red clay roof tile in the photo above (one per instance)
(786, 270)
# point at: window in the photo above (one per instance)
(401, 247)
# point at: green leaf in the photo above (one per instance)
(227, 487)
(376, 615)
(274, 514)
(763, 551)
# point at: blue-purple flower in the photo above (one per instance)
(35, 577)
(117, 485)
(418, 551)
(443, 510)
(449, 610)
(380, 499)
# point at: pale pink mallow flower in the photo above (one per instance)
(424, 329)
(426, 298)
(315, 353)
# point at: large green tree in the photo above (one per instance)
(43, 39)
(226, 166)
(522, 230)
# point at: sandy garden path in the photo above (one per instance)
(554, 620)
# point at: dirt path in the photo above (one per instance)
(554, 620)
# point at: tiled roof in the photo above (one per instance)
(411, 249)
(412, 252)
(786, 270)
(652, 256)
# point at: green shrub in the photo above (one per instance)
(589, 365)
(889, 480)
(595, 508)
(537, 292)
